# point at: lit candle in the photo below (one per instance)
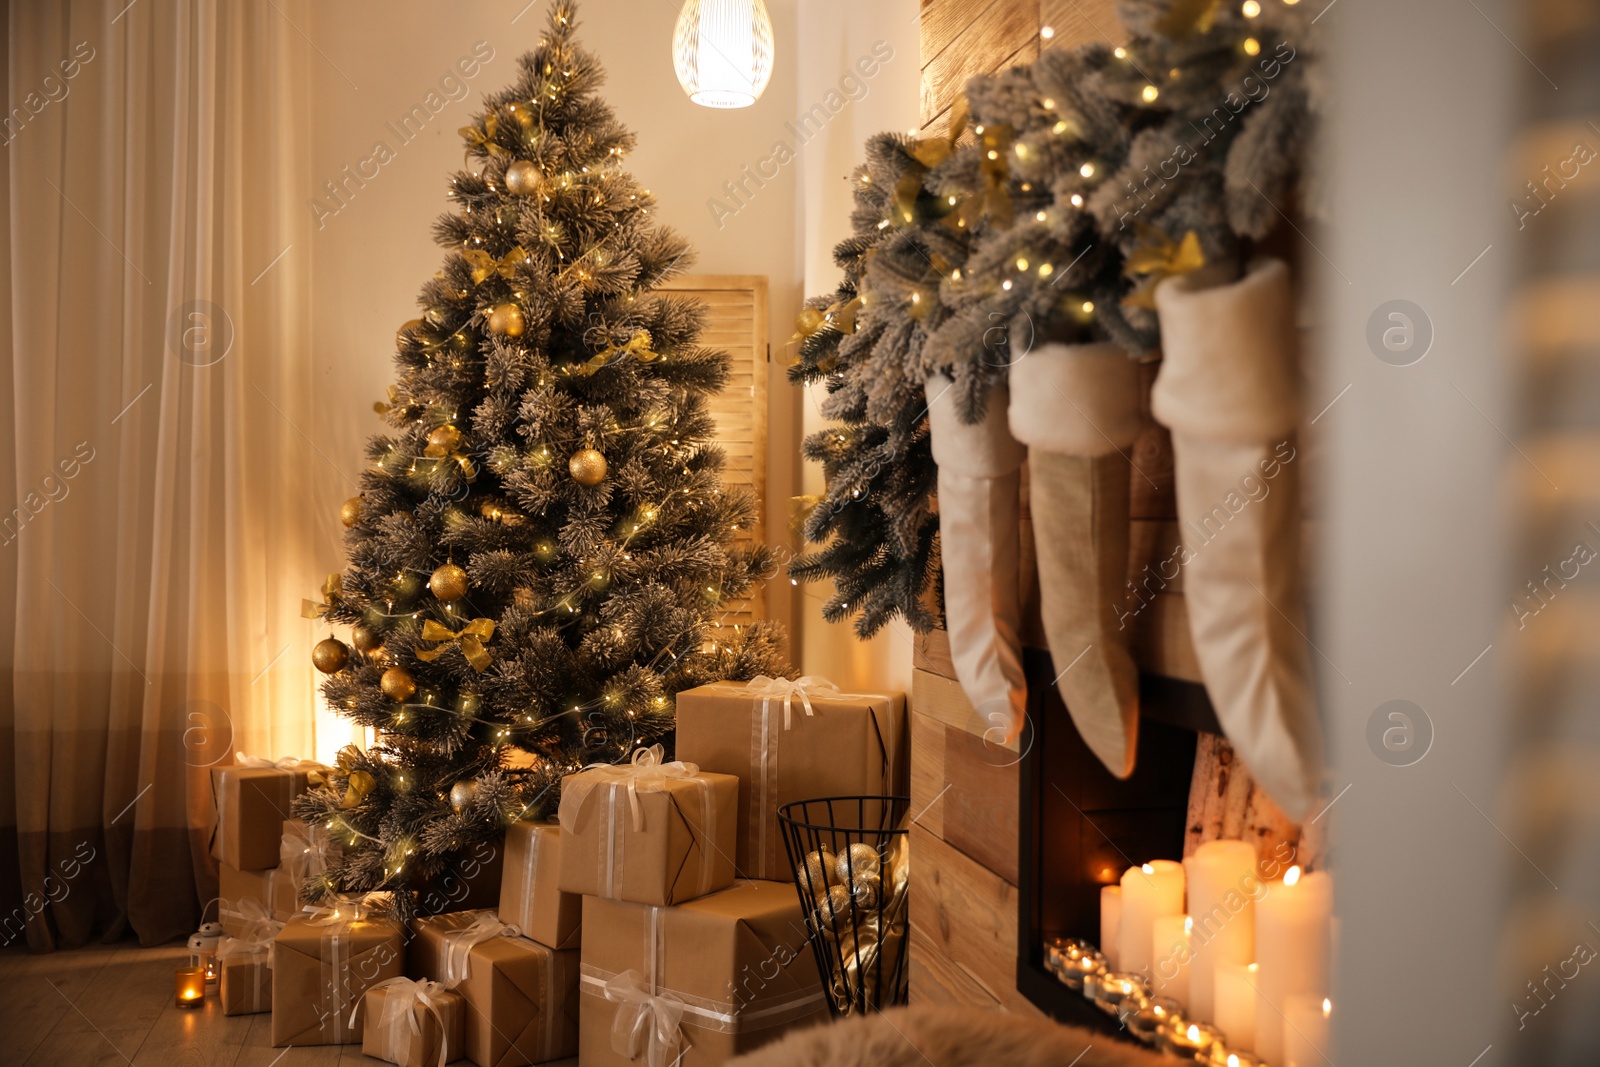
(1234, 1006)
(1110, 923)
(1292, 940)
(1305, 1031)
(1192, 1041)
(1172, 957)
(191, 986)
(1148, 892)
(1219, 877)
(1225, 1056)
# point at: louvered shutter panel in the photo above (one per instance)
(736, 323)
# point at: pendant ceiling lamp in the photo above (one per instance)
(722, 51)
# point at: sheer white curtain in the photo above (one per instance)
(156, 532)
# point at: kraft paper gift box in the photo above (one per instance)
(245, 984)
(736, 963)
(787, 741)
(522, 997)
(530, 892)
(323, 962)
(252, 798)
(647, 831)
(413, 1024)
(243, 893)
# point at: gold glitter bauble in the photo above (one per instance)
(857, 863)
(350, 512)
(397, 684)
(461, 794)
(366, 638)
(587, 467)
(506, 320)
(330, 655)
(405, 331)
(448, 582)
(819, 870)
(523, 178)
(446, 438)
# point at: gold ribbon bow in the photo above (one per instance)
(840, 315)
(993, 199)
(1157, 257)
(332, 591)
(484, 138)
(1185, 18)
(484, 265)
(929, 152)
(470, 637)
(358, 784)
(637, 346)
(397, 399)
(452, 450)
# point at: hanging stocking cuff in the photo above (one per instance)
(1082, 400)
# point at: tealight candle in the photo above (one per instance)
(1292, 943)
(1160, 1013)
(1077, 960)
(1222, 1056)
(1218, 878)
(191, 986)
(1305, 1031)
(1234, 1006)
(1170, 936)
(1148, 892)
(1114, 987)
(1110, 923)
(1189, 1040)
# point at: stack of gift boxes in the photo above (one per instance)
(655, 922)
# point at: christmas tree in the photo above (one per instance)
(542, 544)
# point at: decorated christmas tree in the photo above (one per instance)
(542, 544)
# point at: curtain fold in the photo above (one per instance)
(159, 380)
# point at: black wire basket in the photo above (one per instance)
(852, 866)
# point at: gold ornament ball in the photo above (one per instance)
(587, 467)
(350, 512)
(523, 178)
(506, 320)
(448, 582)
(330, 655)
(366, 638)
(819, 870)
(857, 863)
(461, 794)
(445, 438)
(397, 684)
(406, 330)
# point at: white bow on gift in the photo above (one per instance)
(646, 1024)
(404, 1003)
(788, 688)
(458, 944)
(260, 928)
(283, 763)
(645, 773)
(343, 910)
(303, 856)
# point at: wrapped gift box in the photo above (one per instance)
(413, 1024)
(307, 849)
(737, 961)
(245, 896)
(323, 964)
(648, 832)
(522, 997)
(252, 800)
(530, 890)
(473, 883)
(789, 741)
(246, 978)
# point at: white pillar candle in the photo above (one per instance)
(1110, 923)
(1148, 892)
(1234, 1006)
(1172, 957)
(1305, 1032)
(1293, 931)
(1219, 877)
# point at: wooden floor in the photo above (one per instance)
(113, 1005)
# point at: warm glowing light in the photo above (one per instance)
(1088, 306)
(1149, 93)
(1006, 285)
(1252, 47)
(1047, 32)
(1291, 876)
(1327, 1007)
(722, 51)
(1022, 264)
(1038, 217)
(1087, 170)
(1120, 53)
(1049, 104)
(1045, 270)
(1194, 1032)
(1147, 869)
(1077, 201)
(1250, 9)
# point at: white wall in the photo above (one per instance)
(371, 256)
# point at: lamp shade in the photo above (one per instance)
(722, 51)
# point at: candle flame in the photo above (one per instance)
(1188, 924)
(1147, 869)
(1292, 875)
(1194, 1032)
(1233, 1059)
(1327, 1007)
(1252, 968)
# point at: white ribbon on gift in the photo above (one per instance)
(644, 773)
(770, 689)
(337, 919)
(458, 944)
(255, 944)
(282, 763)
(404, 1002)
(302, 856)
(646, 1024)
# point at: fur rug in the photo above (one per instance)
(949, 1037)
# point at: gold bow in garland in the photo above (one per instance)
(637, 346)
(993, 199)
(358, 784)
(470, 637)
(1157, 257)
(484, 138)
(930, 152)
(484, 265)
(841, 315)
(1185, 18)
(332, 590)
(397, 399)
(452, 450)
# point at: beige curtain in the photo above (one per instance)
(153, 544)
